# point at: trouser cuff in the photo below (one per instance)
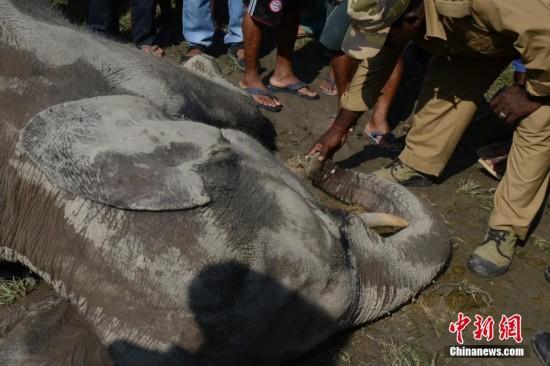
(419, 164)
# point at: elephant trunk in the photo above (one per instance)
(390, 270)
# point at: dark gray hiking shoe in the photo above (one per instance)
(541, 346)
(494, 256)
(398, 172)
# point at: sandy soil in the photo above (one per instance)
(418, 333)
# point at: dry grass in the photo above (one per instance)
(395, 354)
(542, 244)
(463, 295)
(14, 289)
(469, 186)
(473, 189)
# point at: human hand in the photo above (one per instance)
(513, 103)
(329, 143)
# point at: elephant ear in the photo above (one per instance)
(122, 151)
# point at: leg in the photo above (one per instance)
(143, 13)
(344, 68)
(234, 36)
(334, 31)
(236, 12)
(362, 92)
(286, 36)
(519, 196)
(253, 33)
(101, 16)
(45, 329)
(523, 188)
(445, 108)
(198, 25)
(379, 119)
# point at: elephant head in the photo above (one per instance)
(169, 234)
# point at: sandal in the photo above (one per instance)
(257, 91)
(152, 49)
(332, 88)
(293, 89)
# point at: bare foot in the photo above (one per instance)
(193, 51)
(154, 50)
(240, 54)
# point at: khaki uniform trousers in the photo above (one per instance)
(447, 104)
(369, 79)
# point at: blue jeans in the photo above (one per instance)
(198, 23)
(336, 26)
(103, 17)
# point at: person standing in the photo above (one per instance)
(199, 27)
(260, 17)
(103, 18)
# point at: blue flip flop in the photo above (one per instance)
(257, 91)
(375, 136)
(294, 90)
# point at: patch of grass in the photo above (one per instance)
(469, 186)
(14, 289)
(473, 189)
(542, 244)
(395, 354)
(465, 296)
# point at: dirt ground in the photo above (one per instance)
(418, 333)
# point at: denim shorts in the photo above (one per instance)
(336, 26)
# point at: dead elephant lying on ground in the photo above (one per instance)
(169, 241)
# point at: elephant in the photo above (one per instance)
(148, 198)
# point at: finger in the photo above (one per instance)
(497, 106)
(315, 149)
(496, 100)
(323, 154)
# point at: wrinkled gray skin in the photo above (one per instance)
(168, 241)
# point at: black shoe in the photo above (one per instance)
(541, 346)
(547, 274)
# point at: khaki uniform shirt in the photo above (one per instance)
(497, 29)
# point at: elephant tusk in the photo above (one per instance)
(377, 219)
